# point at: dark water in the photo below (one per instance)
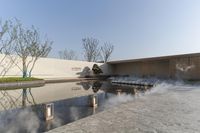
(23, 110)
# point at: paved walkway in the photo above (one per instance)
(162, 111)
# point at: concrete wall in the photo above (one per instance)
(175, 67)
(55, 68)
(154, 68)
(185, 68)
(158, 68)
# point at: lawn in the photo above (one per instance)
(17, 79)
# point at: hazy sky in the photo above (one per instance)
(137, 28)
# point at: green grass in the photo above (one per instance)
(17, 79)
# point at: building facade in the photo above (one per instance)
(185, 66)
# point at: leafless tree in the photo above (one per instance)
(7, 40)
(38, 49)
(9, 101)
(67, 55)
(106, 51)
(91, 49)
(29, 47)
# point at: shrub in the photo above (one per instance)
(96, 69)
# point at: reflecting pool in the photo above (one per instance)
(27, 109)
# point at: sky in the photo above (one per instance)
(136, 28)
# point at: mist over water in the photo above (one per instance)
(56, 122)
(23, 121)
(118, 99)
(161, 87)
(74, 113)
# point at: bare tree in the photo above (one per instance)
(106, 51)
(7, 39)
(91, 49)
(38, 51)
(29, 47)
(67, 55)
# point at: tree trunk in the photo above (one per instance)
(24, 68)
(30, 72)
(24, 97)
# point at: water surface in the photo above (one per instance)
(23, 110)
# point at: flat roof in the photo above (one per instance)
(154, 58)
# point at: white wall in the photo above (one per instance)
(56, 68)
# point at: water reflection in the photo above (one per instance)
(93, 100)
(85, 85)
(11, 99)
(27, 97)
(96, 86)
(69, 104)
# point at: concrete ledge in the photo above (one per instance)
(22, 84)
(62, 80)
(72, 79)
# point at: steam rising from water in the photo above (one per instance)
(25, 119)
(160, 87)
(74, 113)
(118, 99)
(56, 122)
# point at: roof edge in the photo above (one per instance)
(154, 58)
